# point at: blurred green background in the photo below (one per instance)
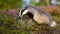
(9, 24)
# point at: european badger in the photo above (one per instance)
(37, 15)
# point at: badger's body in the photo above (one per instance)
(37, 15)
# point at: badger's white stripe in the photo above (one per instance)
(20, 12)
(53, 24)
(24, 12)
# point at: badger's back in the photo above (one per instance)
(43, 17)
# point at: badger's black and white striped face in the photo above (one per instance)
(25, 11)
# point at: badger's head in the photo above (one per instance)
(26, 11)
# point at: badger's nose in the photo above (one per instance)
(19, 16)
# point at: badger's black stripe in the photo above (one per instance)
(24, 9)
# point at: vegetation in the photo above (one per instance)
(9, 4)
(10, 24)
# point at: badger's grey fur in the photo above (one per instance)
(37, 15)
